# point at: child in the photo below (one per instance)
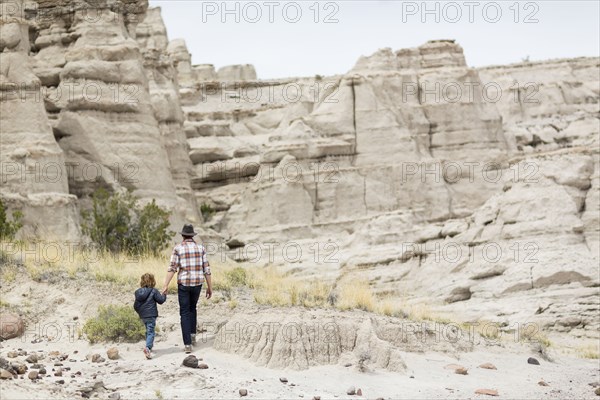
(146, 298)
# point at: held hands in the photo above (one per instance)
(164, 291)
(208, 292)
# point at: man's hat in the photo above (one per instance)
(188, 230)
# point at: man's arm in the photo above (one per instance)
(168, 278)
(208, 287)
(173, 265)
(206, 271)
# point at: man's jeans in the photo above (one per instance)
(188, 300)
(150, 326)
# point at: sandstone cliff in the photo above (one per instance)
(475, 191)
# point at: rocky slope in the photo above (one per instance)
(475, 191)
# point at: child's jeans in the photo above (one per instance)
(150, 325)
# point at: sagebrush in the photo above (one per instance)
(8, 228)
(114, 323)
(118, 223)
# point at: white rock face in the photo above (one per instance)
(113, 102)
(412, 174)
(33, 173)
(473, 191)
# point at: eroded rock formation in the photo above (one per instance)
(475, 191)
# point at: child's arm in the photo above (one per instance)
(136, 305)
(159, 297)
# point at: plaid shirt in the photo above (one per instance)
(189, 259)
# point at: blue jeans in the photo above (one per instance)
(188, 300)
(150, 325)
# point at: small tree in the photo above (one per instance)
(8, 229)
(118, 223)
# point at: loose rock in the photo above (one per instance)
(20, 368)
(11, 326)
(58, 372)
(359, 392)
(202, 366)
(488, 366)
(597, 391)
(112, 353)
(461, 371)
(190, 361)
(542, 383)
(533, 361)
(12, 354)
(243, 392)
(351, 391)
(33, 375)
(115, 396)
(4, 374)
(489, 392)
(283, 380)
(32, 358)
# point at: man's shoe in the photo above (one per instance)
(147, 353)
(193, 339)
(188, 349)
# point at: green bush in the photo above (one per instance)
(115, 323)
(117, 223)
(237, 276)
(207, 211)
(8, 229)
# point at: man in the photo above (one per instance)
(190, 262)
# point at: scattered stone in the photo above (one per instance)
(316, 397)
(348, 365)
(283, 380)
(115, 396)
(33, 375)
(594, 384)
(190, 361)
(453, 366)
(12, 354)
(542, 383)
(4, 374)
(11, 326)
(461, 371)
(42, 371)
(243, 392)
(32, 359)
(61, 382)
(37, 366)
(112, 353)
(412, 377)
(4, 363)
(20, 368)
(359, 392)
(95, 358)
(58, 364)
(597, 391)
(202, 366)
(488, 366)
(58, 372)
(351, 391)
(489, 392)
(533, 361)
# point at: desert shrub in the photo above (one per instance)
(8, 229)
(237, 277)
(207, 211)
(114, 323)
(117, 223)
